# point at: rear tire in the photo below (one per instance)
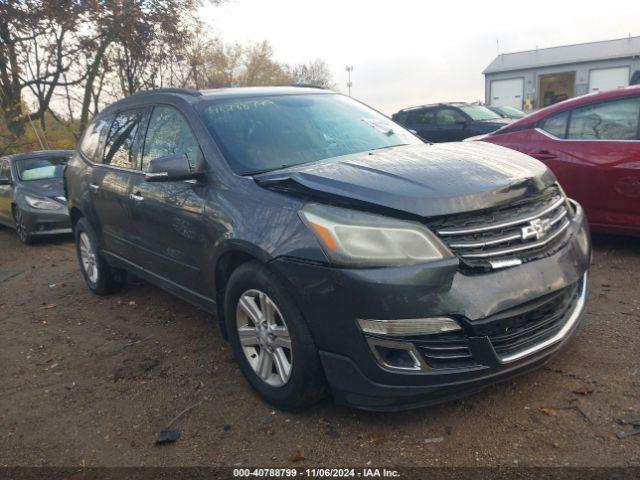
(277, 354)
(100, 277)
(21, 227)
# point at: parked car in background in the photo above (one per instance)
(32, 198)
(592, 144)
(335, 247)
(449, 122)
(507, 111)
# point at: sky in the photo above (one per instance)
(407, 52)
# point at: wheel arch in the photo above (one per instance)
(234, 255)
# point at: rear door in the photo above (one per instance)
(112, 181)
(423, 122)
(167, 216)
(6, 193)
(594, 150)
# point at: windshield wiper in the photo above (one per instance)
(388, 146)
(249, 173)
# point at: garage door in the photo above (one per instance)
(507, 92)
(605, 79)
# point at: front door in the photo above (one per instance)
(167, 216)
(451, 125)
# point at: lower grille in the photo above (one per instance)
(527, 325)
(509, 235)
(445, 350)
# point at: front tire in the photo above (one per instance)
(100, 277)
(21, 227)
(271, 341)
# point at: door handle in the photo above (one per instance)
(94, 186)
(543, 155)
(136, 197)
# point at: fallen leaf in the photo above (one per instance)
(583, 391)
(297, 456)
(547, 410)
(375, 439)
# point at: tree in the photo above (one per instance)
(260, 68)
(316, 72)
(35, 51)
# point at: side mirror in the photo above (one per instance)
(171, 168)
(4, 181)
(415, 132)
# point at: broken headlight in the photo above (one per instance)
(359, 239)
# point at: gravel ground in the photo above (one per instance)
(91, 381)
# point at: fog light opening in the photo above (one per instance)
(396, 355)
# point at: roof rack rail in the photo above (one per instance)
(307, 85)
(183, 91)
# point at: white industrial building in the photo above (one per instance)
(544, 76)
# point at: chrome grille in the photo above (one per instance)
(509, 235)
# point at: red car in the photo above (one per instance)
(592, 144)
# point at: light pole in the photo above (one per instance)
(349, 69)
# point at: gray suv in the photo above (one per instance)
(338, 252)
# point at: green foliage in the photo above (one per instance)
(58, 136)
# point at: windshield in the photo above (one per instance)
(478, 112)
(511, 111)
(272, 132)
(40, 168)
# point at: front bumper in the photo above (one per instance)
(332, 299)
(46, 222)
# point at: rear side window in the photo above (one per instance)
(91, 140)
(169, 134)
(422, 117)
(615, 120)
(120, 145)
(556, 125)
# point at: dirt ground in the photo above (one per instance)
(91, 381)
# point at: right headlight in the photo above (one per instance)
(359, 239)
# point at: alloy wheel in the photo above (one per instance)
(264, 337)
(88, 258)
(21, 228)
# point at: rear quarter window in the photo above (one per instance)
(556, 125)
(91, 143)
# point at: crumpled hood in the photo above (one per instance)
(425, 180)
(52, 187)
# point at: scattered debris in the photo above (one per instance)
(547, 410)
(630, 433)
(434, 440)
(630, 418)
(49, 306)
(167, 436)
(297, 456)
(226, 428)
(375, 439)
(577, 408)
(583, 391)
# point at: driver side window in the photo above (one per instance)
(169, 134)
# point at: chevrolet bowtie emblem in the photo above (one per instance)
(536, 229)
